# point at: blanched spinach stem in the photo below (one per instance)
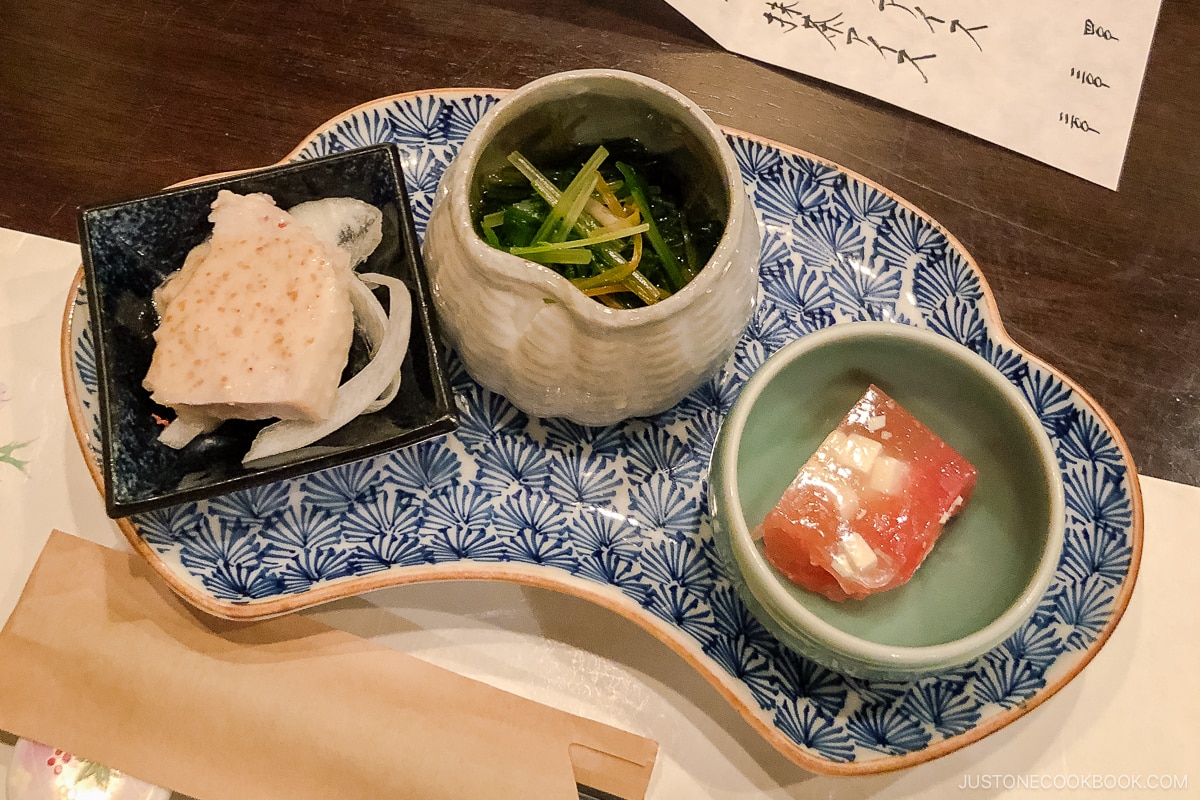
(637, 190)
(599, 238)
(565, 211)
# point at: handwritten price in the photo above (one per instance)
(1075, 123)
(1089, 78)
(1092, 29)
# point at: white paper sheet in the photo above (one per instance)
(1057, 80)
(44, 483)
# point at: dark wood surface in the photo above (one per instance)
(106, 100)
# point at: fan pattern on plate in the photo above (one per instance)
(623, 509)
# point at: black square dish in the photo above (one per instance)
(129, 248)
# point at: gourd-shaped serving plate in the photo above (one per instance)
(617, 515)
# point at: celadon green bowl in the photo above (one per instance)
(994, 560)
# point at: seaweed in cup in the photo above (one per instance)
(613, 219)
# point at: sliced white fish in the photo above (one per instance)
(259, 322)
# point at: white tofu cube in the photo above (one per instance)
(847, 500)
(856, 452)
(834, 443)
(854, 557)
(840, 489)
(887, 475)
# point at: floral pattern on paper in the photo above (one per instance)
(8, 450)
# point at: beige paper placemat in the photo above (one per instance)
(100, 659)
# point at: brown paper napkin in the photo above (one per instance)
(102, 660)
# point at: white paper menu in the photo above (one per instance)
(1057, 80)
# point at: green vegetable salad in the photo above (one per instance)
(616, 226)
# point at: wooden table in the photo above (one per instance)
(101, 101)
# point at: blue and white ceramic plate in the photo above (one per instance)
(617, 515)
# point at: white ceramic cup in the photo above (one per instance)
(524, 331)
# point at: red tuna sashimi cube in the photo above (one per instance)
(866, 509)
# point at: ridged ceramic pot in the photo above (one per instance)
(524, 331)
